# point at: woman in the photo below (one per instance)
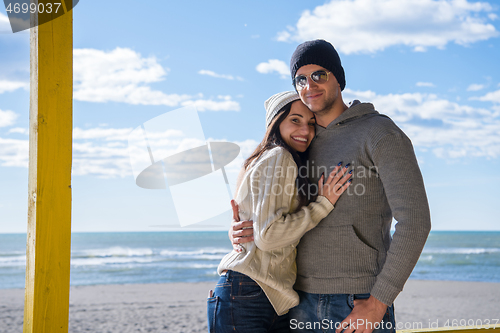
(255, 290)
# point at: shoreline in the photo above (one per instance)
(181, 307)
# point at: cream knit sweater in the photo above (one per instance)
(267, 195)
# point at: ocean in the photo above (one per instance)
(162, 257)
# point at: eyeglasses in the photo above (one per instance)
(300, 81)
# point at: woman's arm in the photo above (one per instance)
(272, 187)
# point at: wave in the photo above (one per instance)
(118, 255)
(137, 256)
(12, 253)
(187, 265)
(116, 251)
(137, 263)
(13, 261)
(200, 252)
(109, 261)
(204, 266)
(462, 250)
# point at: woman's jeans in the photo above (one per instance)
(324, 313)
(239, 305)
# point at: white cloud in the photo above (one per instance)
(98, 151)
(103, 152)
(4, 23)
(274, 65)
(493, 97)
(425, 84)
(18, 23)
(457, 139)
(475, 87)
(223, 104)
(123, 75)
(409, 106)
(108, 134)
(9, 86)
(102, 158)
(449, 129)
(7, 118)
(355, 26)
(120, 75)
(19, 130)
(220, 76)
(14, 153)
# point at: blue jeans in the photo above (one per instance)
(239, 305)
(324, 313)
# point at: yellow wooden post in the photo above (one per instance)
(46, 308)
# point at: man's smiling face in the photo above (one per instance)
(318, 97)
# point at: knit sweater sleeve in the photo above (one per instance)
(272, 187)
(404, 187)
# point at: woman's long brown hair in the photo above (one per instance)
(273, 139)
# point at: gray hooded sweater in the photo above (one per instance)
(351, 251)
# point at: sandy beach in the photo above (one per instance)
(180, 307)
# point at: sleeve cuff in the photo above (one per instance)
(322, 200)
(385, 293)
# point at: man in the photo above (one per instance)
(349, 271)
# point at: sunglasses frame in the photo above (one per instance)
(294, 82)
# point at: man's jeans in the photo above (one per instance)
(324, 313)
(239, 305)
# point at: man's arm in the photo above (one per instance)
(397, 166)
(404, 188)
(240, 231)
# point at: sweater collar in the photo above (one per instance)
(355, 111)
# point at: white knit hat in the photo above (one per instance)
(278, 101)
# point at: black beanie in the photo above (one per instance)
(318, 52)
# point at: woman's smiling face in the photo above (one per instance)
(297, 129)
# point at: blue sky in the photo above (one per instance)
(432, 66)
